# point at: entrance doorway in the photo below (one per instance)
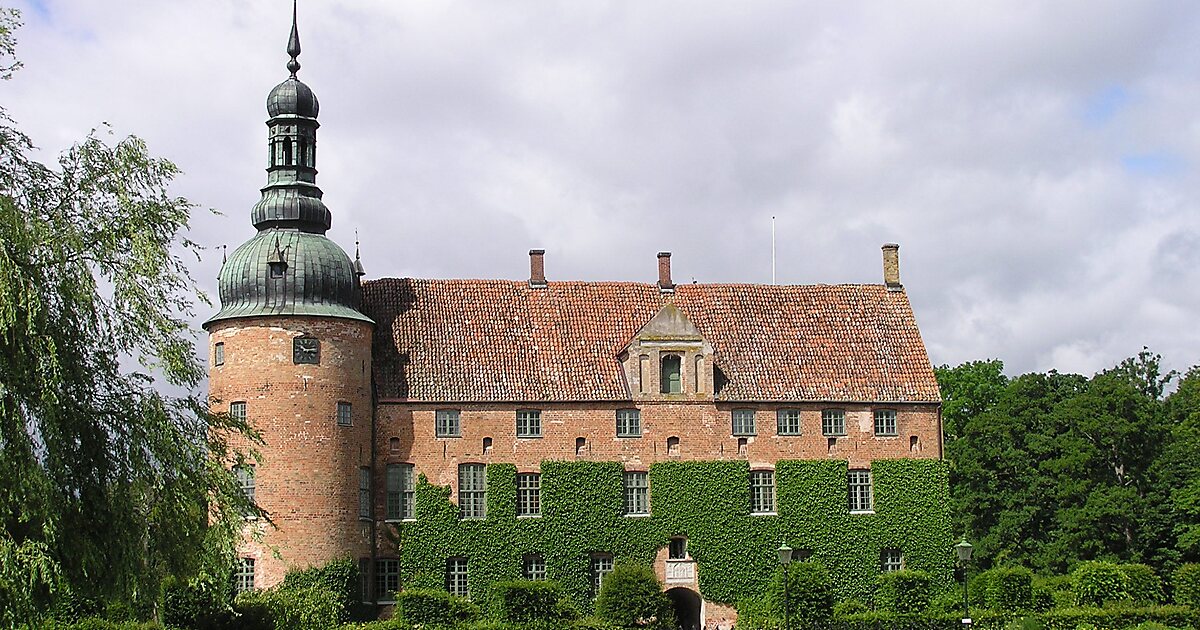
(687, 607)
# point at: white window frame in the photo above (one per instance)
(345, 414)
(447, 423)
(219, 353)
(891, 559)
(243, 575)
(860, 493)
(637, 493)
(787, 421)
(762, 492)
(400, 492)
(458, 576)
(529, 423)
(885, 419)
(833, 422)
(599, 565)
(529, 494)
(533, 567)
(387, 579)
(742, 422)
(472, 491)
(629, 423)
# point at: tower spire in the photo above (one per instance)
(293, 48)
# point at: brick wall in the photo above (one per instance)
(308, 479)
(704, 430)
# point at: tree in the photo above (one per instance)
(106, 484)
(632, 597)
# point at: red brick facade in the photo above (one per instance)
(308, 477)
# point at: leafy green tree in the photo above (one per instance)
(1052, 469)
(632, 597)
(106, 484)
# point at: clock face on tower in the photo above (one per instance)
(306, 350)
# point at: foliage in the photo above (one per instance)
(119, 483)
(1010, 589)
(526, 601)
(902, 592)
(1187, 585)
(809, 596)
(429, 606)
(1099, 584)
(340, 577)
(1051, 469)
(1142, 584)
(199, 604)
(28, 576)
(309, 608)
(709, 502)
(632, 597)
(849, 607)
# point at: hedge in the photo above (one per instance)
(1010, 589)
(523, 601)
(432, 606)
(631, 596)
(1187, 585)
(1098, 583)
(902, 592)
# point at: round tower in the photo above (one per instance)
(290, 350)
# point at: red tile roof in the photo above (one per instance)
(500, 340)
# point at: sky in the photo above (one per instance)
(1036, 161)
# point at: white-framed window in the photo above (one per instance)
(344, 416)
(762, 491)
(237, 411)
(245, 477)
(472, 491)
(885, 422)
(670, 376)
(859, 482)
(629, 423)
(833, 421)
(637, 493)
(533, 567)
(387, 579)
(529, 494)
(364, 492)
(529, 423)
(787, 421)
(400, 491)
(219, 353)
(243, 575)
(600, 565)
(890, 560)
(456, 577)
(447, 423)
(742, 421)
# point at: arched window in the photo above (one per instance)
(672, 383)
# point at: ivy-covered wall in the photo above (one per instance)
(709, 503)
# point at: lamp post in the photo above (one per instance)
(964, 550)
(785, 558)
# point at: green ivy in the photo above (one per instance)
(709, 503)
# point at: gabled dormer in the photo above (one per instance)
(668, 359)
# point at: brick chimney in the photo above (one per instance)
(537, 268)
(664, 273)
(891, 266)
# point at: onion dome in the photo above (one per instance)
(290, 267)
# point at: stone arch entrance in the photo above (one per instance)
(687, 607)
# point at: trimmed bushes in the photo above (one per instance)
(1187, 585)
(1142, 584)
(525, 601)
(431, 606)
(809, 591)
(902, 592)
(1098, 583)
(1010, 589)
(632, 597)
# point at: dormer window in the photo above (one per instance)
(672, 380)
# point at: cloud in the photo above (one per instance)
(1036, 161)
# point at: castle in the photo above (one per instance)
(451, 433)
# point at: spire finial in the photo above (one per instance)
(358, 266)
(293, 48)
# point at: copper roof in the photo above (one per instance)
(500, 340)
